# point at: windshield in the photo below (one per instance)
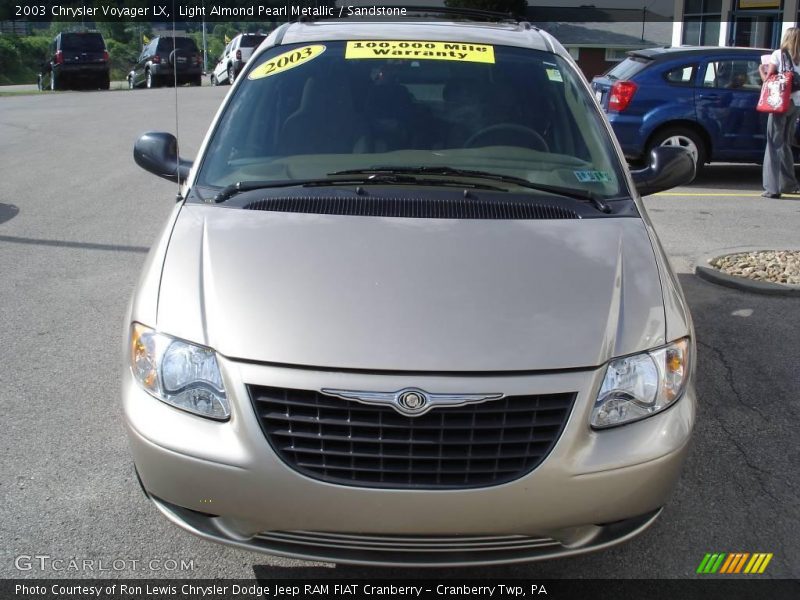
(307, 110)
(251, 41)
(82, 42)
(627, 68)
(181, 43)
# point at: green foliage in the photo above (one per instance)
(21, 57)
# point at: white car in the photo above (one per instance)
(234, 57)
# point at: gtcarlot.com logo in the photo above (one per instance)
(732, 563)
(45, 562)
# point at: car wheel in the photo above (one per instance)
(130, 82)
(231, 75)
(105, 82)
(214, 81)
(196, 81)
(149, 80)
(684, 138)
(53, 81)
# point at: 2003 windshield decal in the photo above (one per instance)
(287, 60)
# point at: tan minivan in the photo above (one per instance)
(409, 308)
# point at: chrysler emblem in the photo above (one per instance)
(411, 402)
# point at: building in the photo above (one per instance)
(598, 38)
(753, 23)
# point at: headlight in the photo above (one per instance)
(178, 373)
(641, 385)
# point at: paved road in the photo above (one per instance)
(76, 218)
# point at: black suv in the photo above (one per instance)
(165, 57)
(77, 60)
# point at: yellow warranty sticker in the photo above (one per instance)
(287, 60)
(458, 51)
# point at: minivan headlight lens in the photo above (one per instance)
(641, 385)
(178, 373)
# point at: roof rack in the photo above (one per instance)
(473, 14)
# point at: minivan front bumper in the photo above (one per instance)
(223, 481)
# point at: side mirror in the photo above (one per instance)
(157, 152)
(669, 166)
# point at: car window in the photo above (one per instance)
(683, 75)
(304, 111)
(732, 74)
(628, 68)
(251, 41)
(181, 43)
(82, 42)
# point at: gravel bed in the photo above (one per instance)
(774, 266)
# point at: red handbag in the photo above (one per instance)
(776, 93)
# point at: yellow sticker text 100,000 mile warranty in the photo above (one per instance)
(457, 51)
(287, 60)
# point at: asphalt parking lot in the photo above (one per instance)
(77, 217)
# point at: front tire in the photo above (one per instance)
(685, 138)
(231, 74)
(150, 81)
(214, 81)
(196, 81)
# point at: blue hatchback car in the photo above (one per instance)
(701, 98)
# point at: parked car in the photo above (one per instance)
(162, 59)
(77, 60)
(703, 99)
(234, 57)
(435, 329)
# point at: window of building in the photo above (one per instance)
(701, 21)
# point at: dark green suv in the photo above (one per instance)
(76, 61)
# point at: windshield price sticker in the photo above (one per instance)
(554, 75)
(593, 176)
(287, 60)
(461, 52)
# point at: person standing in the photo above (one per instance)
(778, 172)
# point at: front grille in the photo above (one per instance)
(346, 442)
(408, 543)
(414, 208)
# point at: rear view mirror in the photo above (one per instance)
(157, 152)
(669, 166)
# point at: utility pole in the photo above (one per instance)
(205, 49)
(644, 18)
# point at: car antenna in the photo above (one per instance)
(174, 59)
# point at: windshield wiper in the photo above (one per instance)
(366, 178)
(577, 194)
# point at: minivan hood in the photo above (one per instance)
(442, 295)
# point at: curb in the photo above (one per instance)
(704, 271)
